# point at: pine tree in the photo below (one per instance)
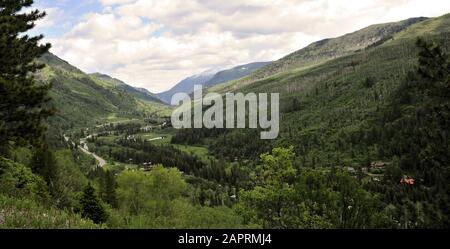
(23, 102)
(434, 69)
(91, 206)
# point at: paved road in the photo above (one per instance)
(85, 149)
(101, 162)
(156, 138)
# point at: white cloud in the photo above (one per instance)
(112, 2)
(155, 43)
(52, 18)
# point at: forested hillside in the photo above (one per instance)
(364, 139)
(325, 105)
(83, 100)
(362, 113)
(141, 94)
(326, 50)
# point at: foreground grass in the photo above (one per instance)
(26, 214)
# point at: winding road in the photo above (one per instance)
(101, 162)
(85, 149)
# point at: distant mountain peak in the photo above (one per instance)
(205, 74)
(210, 78)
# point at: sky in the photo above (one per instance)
(156, 43)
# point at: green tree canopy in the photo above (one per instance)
(137, 191)
(306, 198)
(23, 102)
(91, 207)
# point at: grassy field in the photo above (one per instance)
(158, 137)
(201, 152)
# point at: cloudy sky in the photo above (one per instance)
(156, 43)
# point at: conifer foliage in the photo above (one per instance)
(23, 102)
(91, 206)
